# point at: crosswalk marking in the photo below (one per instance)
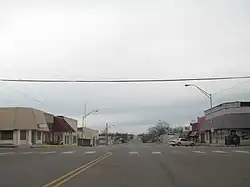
(156, 153)
(68, 152)
(200, 152)
(90, 152)
(48, 152)
(222, 152)
(239, 151)
(26, 153)
(7, 153)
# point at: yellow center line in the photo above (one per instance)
(76, 171)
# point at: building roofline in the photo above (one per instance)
(233, 102)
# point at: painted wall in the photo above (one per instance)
(73, 124)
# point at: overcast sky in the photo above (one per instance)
(118, 39)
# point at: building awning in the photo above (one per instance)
(193, 133)
(60, 125)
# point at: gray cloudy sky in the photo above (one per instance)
(114, 39)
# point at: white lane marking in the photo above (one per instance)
(156, 153)
(222, 152)
(48, 152)
(133, 153)
(68, 152)
(26, 153)
(200, 152)
(90, 152)
(238, 151)
(7, 153)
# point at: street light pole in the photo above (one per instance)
(211, 101)
(84, 118)
(209, 95)
(107, 126)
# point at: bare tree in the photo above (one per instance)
(161, 127)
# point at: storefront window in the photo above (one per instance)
(22, 135)
(6, 135)
(38, 135)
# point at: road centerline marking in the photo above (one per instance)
(61, 180)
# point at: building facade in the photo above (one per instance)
(222, 119)
(22, 126)
(72, 137)
(87, 136)
(62, 132)
(103, 140)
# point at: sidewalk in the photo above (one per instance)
(52, 146)
(242, 143)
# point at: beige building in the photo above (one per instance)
(22, 126)
(89, 137)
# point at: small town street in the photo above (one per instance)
(133, 164)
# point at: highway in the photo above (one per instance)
(134, 164)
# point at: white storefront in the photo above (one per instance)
(22, 137)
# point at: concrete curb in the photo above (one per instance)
(52, 146)
(221, 145)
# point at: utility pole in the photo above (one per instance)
(85, 113)
(107, 136)
(83, 119)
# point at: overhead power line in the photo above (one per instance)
(124, 80)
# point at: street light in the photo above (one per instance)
(106, 131)
(84, 118)
(86, 115)
(209, 95)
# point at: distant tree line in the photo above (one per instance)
(119, 136)
(161, 127)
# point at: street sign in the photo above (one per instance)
(42, 126)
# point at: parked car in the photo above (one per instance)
(181, 141)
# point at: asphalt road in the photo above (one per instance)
(133, 164)
(37, 167)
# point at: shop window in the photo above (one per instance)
(22, 135)
(245, 104)
(38, 135)
(6, 135)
